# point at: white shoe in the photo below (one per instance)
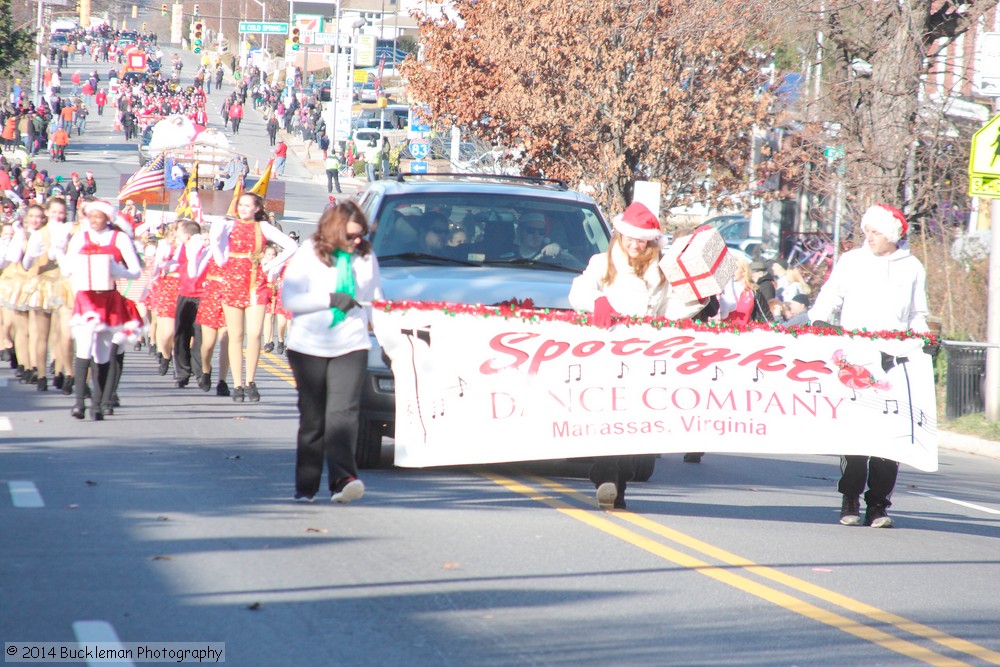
(606, 494)
(351, 491)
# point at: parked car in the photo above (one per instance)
(486, 268)
(365, 92)
(735, 231)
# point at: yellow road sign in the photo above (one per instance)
(984, 160)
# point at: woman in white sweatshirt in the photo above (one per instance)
(626, 280)
(325, 283)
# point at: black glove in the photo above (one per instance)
(711, 309)
(932, 349)
(822, 323)
(342, 301)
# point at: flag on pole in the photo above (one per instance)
(260, 188)
(184, 207)
(150, 177)
(237, 193)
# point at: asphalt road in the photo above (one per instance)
(172, 522)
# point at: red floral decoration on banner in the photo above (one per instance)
(524, 310)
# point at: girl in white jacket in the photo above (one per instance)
(626, 280)
(324, 284)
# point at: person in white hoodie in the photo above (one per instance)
(881, 287)
(626, 280)
(325, 283)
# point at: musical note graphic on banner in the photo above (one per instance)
(437, 408)
(920, 422)
(657, 365)
(461, 387)
(757, 374)
(809, 387)
(854, 395)
(718, 372)
(623, 371)
(569, 372)
(895, 405)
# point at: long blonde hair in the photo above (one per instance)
(639, 264)
(748, 281)
(793, 275)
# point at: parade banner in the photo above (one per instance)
(487, 384)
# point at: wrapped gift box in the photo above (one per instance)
(698, 266)
(93, 274)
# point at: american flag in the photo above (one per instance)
(150, 177)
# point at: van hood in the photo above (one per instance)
(485, 285)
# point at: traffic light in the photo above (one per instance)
(144, 26)
(197, 36)
(295, 38)
(163, 9)
(196, 10)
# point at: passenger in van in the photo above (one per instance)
(434, 234)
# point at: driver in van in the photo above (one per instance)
(532, 238)
(435, 232)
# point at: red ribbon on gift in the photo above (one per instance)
(688, 278)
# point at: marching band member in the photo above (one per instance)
(97, 255)
(237, 247)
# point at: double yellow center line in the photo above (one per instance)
(555, 495)
(724, 574)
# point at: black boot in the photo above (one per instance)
(114, 375)
(80, 367)
(101, 374)
(68, 385)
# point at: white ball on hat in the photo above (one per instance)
(886, 220)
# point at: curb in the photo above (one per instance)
(969, 444)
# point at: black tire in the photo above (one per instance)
(369, 451)
(643, 465)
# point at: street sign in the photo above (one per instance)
(263, 28)
(987, 77)
(833, 152)
(418, 167)
(984, 161)
(420, 149)
(330, 38)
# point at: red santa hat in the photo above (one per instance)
(637, 222)
(886, 220)
(102, 206)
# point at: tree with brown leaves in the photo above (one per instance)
(605, 92)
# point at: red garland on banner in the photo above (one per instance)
(524, 310)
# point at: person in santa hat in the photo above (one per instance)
(627, 280)
(99, 312)
(880, 287)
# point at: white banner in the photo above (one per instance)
(487, 389)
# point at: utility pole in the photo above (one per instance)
(39, 39)
(992, 397)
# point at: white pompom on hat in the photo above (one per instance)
(886, 220)
(102, 206)
(637, 222)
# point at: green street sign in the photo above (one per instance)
(265, 28)
(833, 152)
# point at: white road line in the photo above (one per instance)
(99, 632)
(25, 495)
(5, 424)
(958, 502)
